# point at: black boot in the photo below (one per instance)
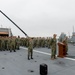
(28, 58)
(31, 57)
(14, 50)
(10, 50)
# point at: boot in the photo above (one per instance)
(52, 57)
(28, 58)
(31, 57)
(55, 57)
(14, 50)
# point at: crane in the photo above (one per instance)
(14, 23)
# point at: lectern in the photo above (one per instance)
(61, 50)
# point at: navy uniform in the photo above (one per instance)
(53, 47)
(18, 43)
(65, 41)
(30, 48)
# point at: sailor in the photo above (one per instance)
(17, 43)
(65, 41)
(53, 47)
(12, 44)
(30, 48)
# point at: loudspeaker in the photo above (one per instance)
(43, 69)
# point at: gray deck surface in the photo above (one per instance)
(16, 63)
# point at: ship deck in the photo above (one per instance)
(16, 63)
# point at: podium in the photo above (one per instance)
(61, 50)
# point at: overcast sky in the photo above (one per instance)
(39, 17)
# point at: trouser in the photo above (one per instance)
(53, 53)
(30, 53)
(12, 47)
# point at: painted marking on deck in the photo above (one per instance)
(47, 53)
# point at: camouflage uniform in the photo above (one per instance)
(37, 42)
(6, 42)
(53, 47)
(3, 44)
(12, 44)
(0, 44)
(63, 38)
(43, 42)
(18, 43)
(65, 41)
(49, 40)
(30, 49)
